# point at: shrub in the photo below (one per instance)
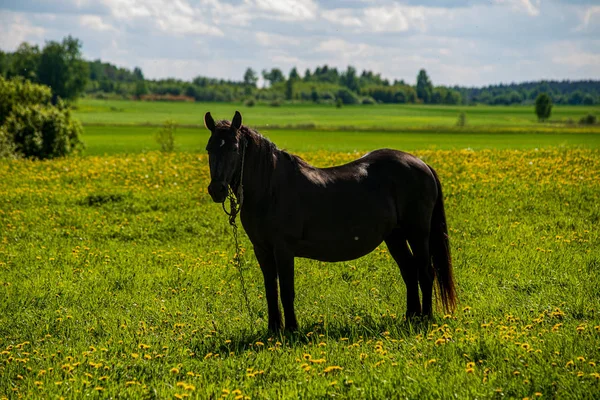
(42, 131)
(462, 119)
(338, 103)
(588, 120)
(347, 96)
(250, 102)
(20, 92)
(543, 106)
(166, 136)
(368, 100)
(275, 103)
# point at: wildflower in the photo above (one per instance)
(174, 370)
(332, 368)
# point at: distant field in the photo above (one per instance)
(136, 139)
(382, 117)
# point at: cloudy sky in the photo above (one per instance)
(466, 42)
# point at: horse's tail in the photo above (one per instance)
(439, 247)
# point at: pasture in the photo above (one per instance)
(116, 272)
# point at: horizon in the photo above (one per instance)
(459, 43)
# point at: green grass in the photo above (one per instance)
(378, 117)
(136, 139)
(116, 273)
(116, 280)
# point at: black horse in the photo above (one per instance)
(292, 209)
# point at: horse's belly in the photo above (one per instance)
(342, 248)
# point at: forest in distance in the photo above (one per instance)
(61, 66)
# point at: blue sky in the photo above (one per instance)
(465, 42)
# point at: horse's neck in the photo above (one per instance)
(258, 169)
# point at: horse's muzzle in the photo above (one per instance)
(218, 191)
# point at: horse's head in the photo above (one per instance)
(224, 154)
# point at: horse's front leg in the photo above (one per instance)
(285, 269)
(268, 267)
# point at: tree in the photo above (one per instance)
(294, 74)
(543, 106)
(274, 76)
(424, 87)
(349, 79)
(307, 75)
(250, 77)
(25, 62)
(289, 89)
(137, 74)
(141, 89)
(62, 68)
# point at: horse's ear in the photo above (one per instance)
(236, 122)
(209, 122)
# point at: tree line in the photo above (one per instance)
(60, 65)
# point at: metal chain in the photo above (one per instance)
(235, 206)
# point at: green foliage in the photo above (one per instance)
(43, 131)
(339, 103)
(274, 76)
(347, 96)
(25, 62)
(250, 102)
(32, 127)
(589, 119)
(141, 88)
(18, 91)
(250, 77)
(424, 87)
(289, 89)
(461, 121)
(62, 67)
(368, 101)
(543, 106)
(165, 137)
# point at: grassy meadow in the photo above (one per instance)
(116, 273)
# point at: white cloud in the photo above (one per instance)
(15, 29)
(343, 17)
(289, 10)
(266, 39)
(590, 14)
(95, 22)
(393, 18)
(531, 7)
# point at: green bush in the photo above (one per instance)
(589, 119)
(19, 91)
(461, 120)
(42, 131)
(166, 136)
(347, 96)
(543, 106)
(250, 102)
(368, 100)
(30, 126)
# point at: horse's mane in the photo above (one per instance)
(263, 157)
(262, 144)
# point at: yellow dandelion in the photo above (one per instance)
(332, 368)
(174, 370)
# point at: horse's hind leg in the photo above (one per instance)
(396, 243)
(422, 257)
